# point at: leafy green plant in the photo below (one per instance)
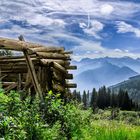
(55, 120)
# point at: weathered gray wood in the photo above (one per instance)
(71, 85)
(58, 88)
(33, 74)
(16, 60)
(19, 82)
(67, 52)
(52, 62)
(50, 49)
(2, 77)
(71, 67)
(28, 82)
(61, 62)
(10, 83)
(18, 45)
(10, 87)
(58, 67)
(52, 55)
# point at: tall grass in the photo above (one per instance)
(111, 130)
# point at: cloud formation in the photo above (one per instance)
(77, 25)
(125, 28)
(92, 28)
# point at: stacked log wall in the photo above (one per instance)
(44, 68)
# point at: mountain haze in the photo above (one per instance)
(104, 71)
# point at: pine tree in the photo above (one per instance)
(77, 96)
(84, 99)
(125, 101)
(113, 100)
(120, 98)
(88, 102)
(101, 100)
(93, 101)
(108, 97)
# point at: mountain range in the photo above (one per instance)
(104, 71)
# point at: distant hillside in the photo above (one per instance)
(132, 86)
(106, 74)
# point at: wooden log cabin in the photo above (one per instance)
(38, 70)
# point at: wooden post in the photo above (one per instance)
(19, 82)
(33, 74)
(32, 71)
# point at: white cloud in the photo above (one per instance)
(83, 44)
(124, 28)
(83, 25)
(45, 21)
(19, 9)
(118, 50)
(126, 51)
(93, 28)
(94, 49)
(106, 9)
(95, 8)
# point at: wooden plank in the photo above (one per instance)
(10, 87)
(69, 76)
(61, 62)
(22, 67)
(50, 49)
(15, 57)
(67, 52)
(14, 71)
(18, 45)
(12, 68)
(16, 60)
(10, 83)
(2, 77)
(53, 56)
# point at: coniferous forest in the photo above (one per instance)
(104, 98)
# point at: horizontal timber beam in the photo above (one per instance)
(58, 67)
(52, 55)
(71, 85)
(18, 45)
(61, 62)
(71, 67)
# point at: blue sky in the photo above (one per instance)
(91, 28)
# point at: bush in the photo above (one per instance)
(52, 119)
